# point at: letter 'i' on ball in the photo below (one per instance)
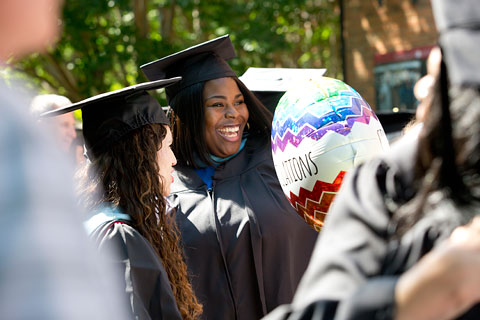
(321, 129)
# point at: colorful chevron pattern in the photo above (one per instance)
(310, 112)
(331, 105)
(313, 205)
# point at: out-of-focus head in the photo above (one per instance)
(206, 75)
(48, 102)
(27, 26)
(448, 143)
(448, 153)
(64, 125)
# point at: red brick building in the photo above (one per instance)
(385, 44)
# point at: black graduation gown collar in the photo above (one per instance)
(186, 178)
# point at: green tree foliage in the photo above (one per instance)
(104, 42)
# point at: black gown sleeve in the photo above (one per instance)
(373, 300)
(146, 283)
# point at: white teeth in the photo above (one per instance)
(230, 134)
(229, 131)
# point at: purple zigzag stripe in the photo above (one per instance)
(342, 129)
(341, 109)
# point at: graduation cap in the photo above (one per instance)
(203, 62)
(109, 116)
(458, 23)
(269, 84)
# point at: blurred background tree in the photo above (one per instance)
(104, 42)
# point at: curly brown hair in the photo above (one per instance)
(128, 175)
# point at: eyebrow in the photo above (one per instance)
(223, 97)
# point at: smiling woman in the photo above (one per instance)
(226, 116)
(246, 248)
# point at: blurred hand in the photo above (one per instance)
(445, 283)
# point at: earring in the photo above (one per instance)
(248, 126)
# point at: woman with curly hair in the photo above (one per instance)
(124, 184)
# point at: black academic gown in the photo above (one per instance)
(146, 283)
(357, 261)
(246, 247)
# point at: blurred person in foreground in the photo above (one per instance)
(403, 237)
(48, 268)
(63, 125)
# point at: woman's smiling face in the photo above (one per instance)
(226, 115)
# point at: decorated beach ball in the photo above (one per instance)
(321, 129)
